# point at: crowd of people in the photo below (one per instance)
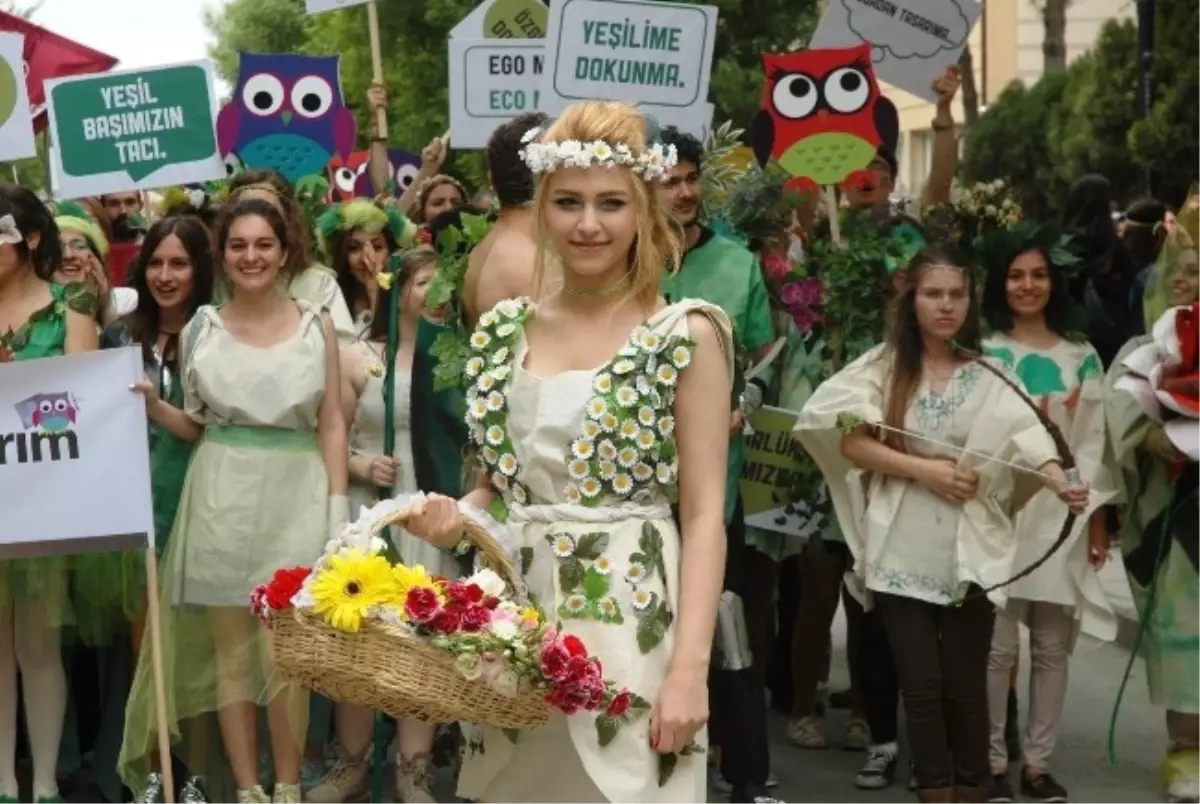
(945, 453)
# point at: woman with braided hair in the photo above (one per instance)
(917, 440)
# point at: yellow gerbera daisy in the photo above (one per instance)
(409, 578)
(350, 586)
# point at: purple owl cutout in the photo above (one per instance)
(287, 114)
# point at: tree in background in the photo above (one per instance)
(1054, 33)
(415, 65)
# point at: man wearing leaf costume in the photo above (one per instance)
(1151, 408)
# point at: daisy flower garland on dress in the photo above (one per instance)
(489, 372)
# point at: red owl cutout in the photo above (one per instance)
(823, 118)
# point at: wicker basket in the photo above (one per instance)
(385, 667)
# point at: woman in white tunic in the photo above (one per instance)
(592, 411)
(899, 435)
(363, 375)
(265, 489)
(1027, 302)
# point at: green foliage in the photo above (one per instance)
(451, 349)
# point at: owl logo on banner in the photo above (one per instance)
(349, 178)
(287, 114)
(51, 414)
(823, 118)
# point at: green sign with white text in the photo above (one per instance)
(114, 131)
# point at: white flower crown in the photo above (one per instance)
(546, 157)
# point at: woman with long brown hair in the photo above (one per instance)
(917, 441)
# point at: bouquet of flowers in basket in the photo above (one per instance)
(973, 212)
(495, 637)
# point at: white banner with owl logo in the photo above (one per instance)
(16, 121)
(74, 455)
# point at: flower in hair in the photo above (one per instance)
(196, 198)
(545, 157)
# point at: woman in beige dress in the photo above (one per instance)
(593, 410)
(265, 489)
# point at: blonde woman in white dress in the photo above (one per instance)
(363, 375)
(593, 410)
(265, 489)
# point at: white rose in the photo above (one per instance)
(469, 666)
(491, 583)
(504, 630)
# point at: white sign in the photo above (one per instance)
(16, 121)
(318, 6)
(912, 41)
(491, 82)
(70, 426)
(654, 53)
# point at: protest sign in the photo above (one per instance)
(654, 53)
(491, 82)
(70, 426)
(319, 6)
(769, 475)
(16, 121)
(515, 19)
(912, 41)
(134, 130)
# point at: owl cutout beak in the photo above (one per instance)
(822, 115)
(287, 118)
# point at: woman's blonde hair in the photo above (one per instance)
(429, 185)
(657, 245)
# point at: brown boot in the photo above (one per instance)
(972, 794)
(413, 778)
(936, 794)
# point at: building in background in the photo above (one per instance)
(1006, 46)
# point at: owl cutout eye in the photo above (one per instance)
(312, 96)
(406, 175)
(795, 96)
(263, 94)
(60, 406)
(46, 406)
(233, 165)
(847, 90)
(344, 179)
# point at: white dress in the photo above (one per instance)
(906, 540)
(366, 438)
(586, 463)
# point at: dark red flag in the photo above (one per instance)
(48, 55)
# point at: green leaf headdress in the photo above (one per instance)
(368, 216)
(997, 248)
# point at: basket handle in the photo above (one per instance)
(495, 557)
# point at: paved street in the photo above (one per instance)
(1081, 762)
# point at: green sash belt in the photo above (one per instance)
(235, 435)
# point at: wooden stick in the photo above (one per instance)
(154, 626)
(376, 62)
(831, 209)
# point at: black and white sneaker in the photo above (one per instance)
(878, 771)
(1042, 787)
(1000, 788)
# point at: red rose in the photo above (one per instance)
(574, 645)
(475, 618)
(446, 621)
(284, 586)
(577, 671)
(464, 593)
(553, 662)
(421, 605)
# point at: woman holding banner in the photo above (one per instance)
(265, 488)
(38, 318)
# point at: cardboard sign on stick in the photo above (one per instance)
(16, 121)
(912, 41)
(823, 118)
(134, 130)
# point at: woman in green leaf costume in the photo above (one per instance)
(38, 318)
(584, 409)
(355, 238)
(1158, 533)
(1027, 303)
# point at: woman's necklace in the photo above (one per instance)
(604, 291)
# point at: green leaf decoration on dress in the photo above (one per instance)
(1089, 368)
(591, 546)
(667, 762)
(80, 298)
(649, 555)
(654, 618)
(1002, 354)
(847, 422)
(452, 348)
(1040, 375)
(526, 559)
(583, 577)
(513, 735)
(608, 726)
